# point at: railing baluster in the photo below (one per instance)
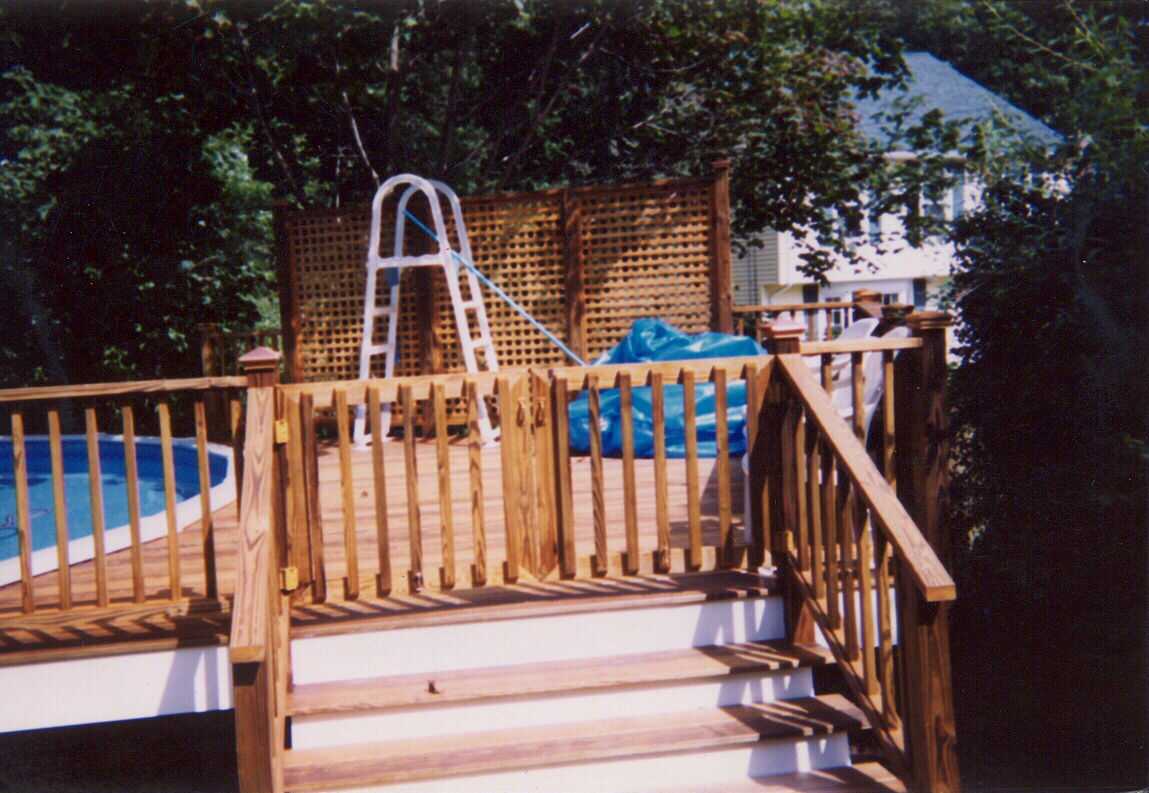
(830, 530)
(23, 513)
(857, 391)
(722, 437)
(211, 581)
(299, 523)
(754, 518)
(885, 631)
(801, 490)
(889, 464)
(132, 483)
(168, 456)
(475, 466)
(411, 470)
(508, 445)
(806, 555)
(236, 434)
(827, 371)
(849, 561)
(661, 487)
(96, 499)
(443, 469)
(866, 595)
(599, 562)
(60, 509)
(314, 508)
(347, 489)
(379, 475)
(629, 489)
(693, 507)
(816, 559)
(564, 491)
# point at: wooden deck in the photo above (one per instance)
(193, 618)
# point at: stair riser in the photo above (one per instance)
(535, 640)
(640, 775)
(335, 730)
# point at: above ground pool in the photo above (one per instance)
(153, 522)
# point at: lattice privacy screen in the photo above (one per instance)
(586, 262)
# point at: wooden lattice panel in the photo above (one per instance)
(642, 250)
(646, 253)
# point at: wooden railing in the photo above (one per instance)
(857, 560)
(134, 409)
(821, 321)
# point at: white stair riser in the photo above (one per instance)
(640, 775)
(535, 640)
(309, 732)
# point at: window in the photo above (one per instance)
(890, 298)
(875, 228)
(919, 293)
(810, 293)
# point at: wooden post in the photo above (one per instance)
(721, 300)
(211, 364)
(289, 319)
(208, 349)
(574, 285)
(922, 459)
(784, 338)
(256, 630)
(867, 303)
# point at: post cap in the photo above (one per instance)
(866, 296)
(260, 358)
(784, 329)
(929, 320)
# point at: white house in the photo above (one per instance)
(905, 274)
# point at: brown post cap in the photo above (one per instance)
(929, 320)
(783, 329)
(866, 296)
(261, 366)
(720, 165)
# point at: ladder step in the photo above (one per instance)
(383, 311)
(377, 349)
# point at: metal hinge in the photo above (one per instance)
(281, 433)
(289, 579)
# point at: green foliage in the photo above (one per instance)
(142, 144)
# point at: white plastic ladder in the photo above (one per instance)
(450, 260)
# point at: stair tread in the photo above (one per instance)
(521, 601)
(550, 677)
(515, 749)
(869, 777)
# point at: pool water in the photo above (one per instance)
(76, 486)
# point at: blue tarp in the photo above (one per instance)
(655, 340)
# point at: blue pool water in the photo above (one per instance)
(114, 486)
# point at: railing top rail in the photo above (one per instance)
(454, 384)
(858, 345)
(925, 568)
(129, 388)
(778, 308)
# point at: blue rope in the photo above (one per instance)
(506, 298)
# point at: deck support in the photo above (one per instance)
(922, 458)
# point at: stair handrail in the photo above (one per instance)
(926, 570)
(866, 524)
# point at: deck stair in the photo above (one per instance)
(685, 685)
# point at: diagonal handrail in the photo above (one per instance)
(926, 570)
